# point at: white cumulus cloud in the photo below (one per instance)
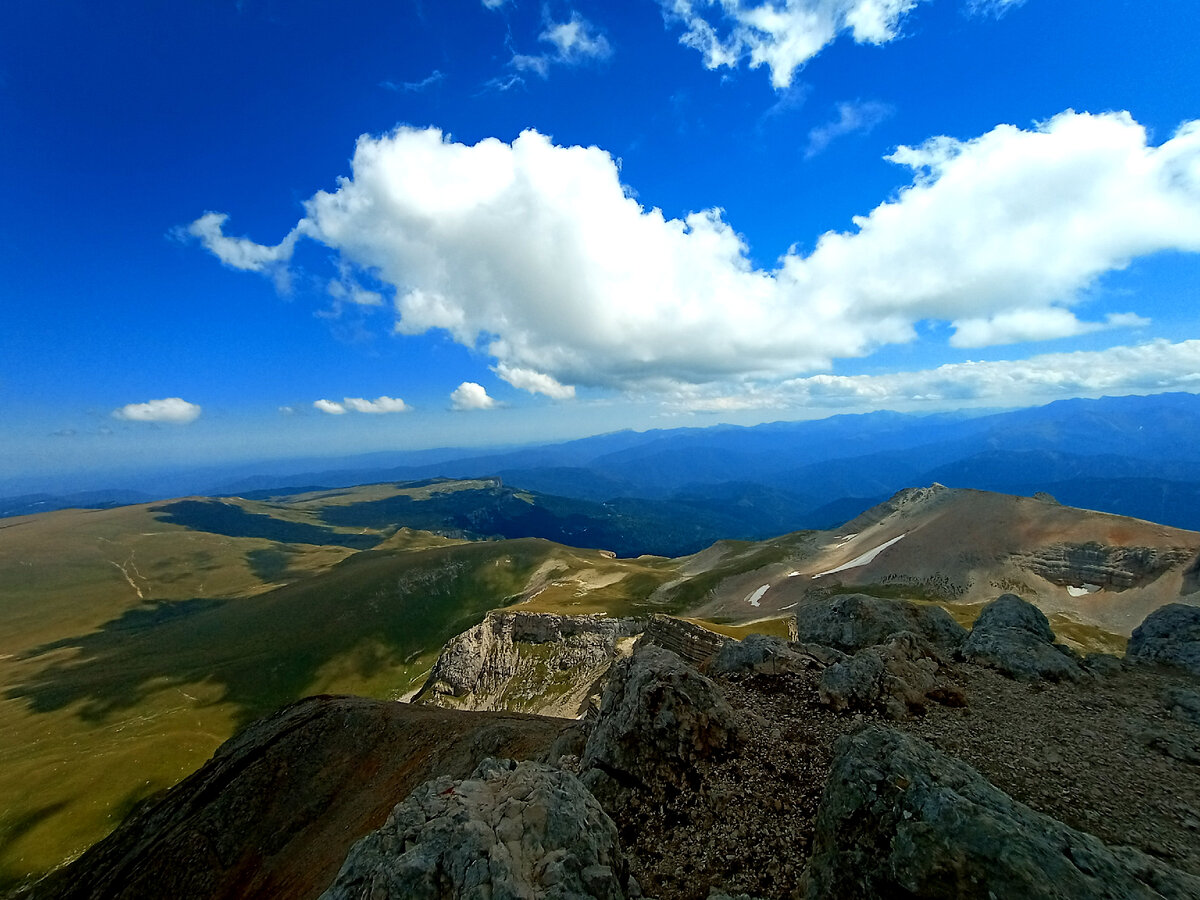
(470, 395)
(170, 409)
(376, 406)
(538, 256)
(781, 34)
(331, 407)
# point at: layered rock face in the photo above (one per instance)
(511, 831)
(531, 662)
(900, 819)
(1110, 568)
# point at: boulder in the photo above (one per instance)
(900, 819)
(1170, 634)
(898, 678)
(850, 622)
(659, 716)
(1014, 637)
(759, 654)
(512, 831)
(1182, 704)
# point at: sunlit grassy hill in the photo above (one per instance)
(134, 640)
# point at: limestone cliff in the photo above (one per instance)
(530, 662)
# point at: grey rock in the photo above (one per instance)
(691, 643)
(512, 831)
(528, 662)
(1183, 704)
(900, 677)
(1182, 747)
(850, 622)
(900, 819)
(1170, 634)
(1014, 637)
(761, 654)
(1103, 664)
(659, 716)
(1010, 611)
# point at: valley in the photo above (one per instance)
(136, 639)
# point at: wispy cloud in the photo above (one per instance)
(173, 410)
(782, 34)
(993, 8)
(574, 42)
(856, 117)
(410, 87)
(1147, 368)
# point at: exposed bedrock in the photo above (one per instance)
(899, 678)
(691, 643)
(658, 718)
(1111, 568)
(900, 819)
(852, 622)
(512, 831)
(532, 662)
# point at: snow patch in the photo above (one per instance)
(867, 557)
(757, 595)
(1082, 591)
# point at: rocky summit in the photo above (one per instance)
(887, 752)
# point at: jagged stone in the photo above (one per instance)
(1170, 634)
(851, 622)
(764, 655)
(512, 831)
(528, 662)
(1183, 704)
(900, 819)
(691, 643)
(658, 717)
(900, 677)
(1014, 637)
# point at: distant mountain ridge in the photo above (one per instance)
(1137, 456)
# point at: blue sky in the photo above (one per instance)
(257, 229)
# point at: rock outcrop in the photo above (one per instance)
(899, 678)
(658, 718)
(1108, 567)
(760, 654)
(900, 819)
(691, 643)
(1170, 634)
(1014, 637)
(512, 831)
(851, 622)
(276, 809)
(529, 662)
